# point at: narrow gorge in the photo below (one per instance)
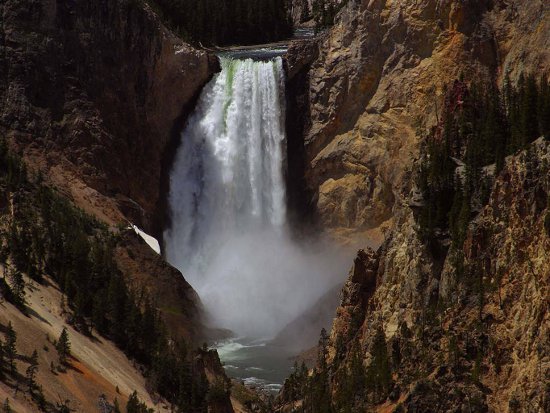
(229, 232)
(351, 218)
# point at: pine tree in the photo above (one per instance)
(31, 372)
(455, 224)
(63, 347)
(379, 372)
(228, 22)
(18, 289)
(6, 408)
(133, 403)
(10, 349)
(40, 399)
(476, 369)
(512, 113)
(320, 383)
(463, 219)
(453, 351)
(2, 360)
(306, 12)
(529, 110)
(116, 406)
(63, 407)
(357, 370)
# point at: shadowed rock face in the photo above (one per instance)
(379, 79)
(300, 11)
(94, 94)
(91, 95)
(177, 301)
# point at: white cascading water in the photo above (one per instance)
(228, 231)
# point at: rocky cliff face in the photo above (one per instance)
(93, 98)
(380, 75)
(91, 94)
(471, 338)
(300, 10)
(477, 339)
(177, 301)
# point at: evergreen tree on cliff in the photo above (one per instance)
(135, 405)
(31, 372)
(319, 394)
(228, 22)
(63, 347)
(10, 349)
(379, 372)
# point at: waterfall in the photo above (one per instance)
(228, 231)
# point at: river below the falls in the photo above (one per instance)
(257, 363)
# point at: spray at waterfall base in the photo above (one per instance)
(229, 233)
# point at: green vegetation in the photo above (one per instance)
(134, 405)
(47, 235)
(116, 406)
(31, 372)
(63, 347)
(215, 22)
(10, 349)
(6, 407)
(477, 130)
(8, 367)
(17, 289)
(379, 371)
(354, 382)
(480, 126)
(318, 398)
(324, 12)
(294, 387)
(218, 391)
(313, 389)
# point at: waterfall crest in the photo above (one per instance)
(227, 203)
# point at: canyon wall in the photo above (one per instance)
(91, 95)
(370, 91)
(300, 10)
(377, 81)
(93, 98)
(451, 343)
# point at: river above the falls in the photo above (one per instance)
(265, 52)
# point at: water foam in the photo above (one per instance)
(229, 233)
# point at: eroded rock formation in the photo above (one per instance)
(379, 79)
(468, 339)
(91, 94)
(499, 332)
(93, 98)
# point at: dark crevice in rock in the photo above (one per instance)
(297, 65)
(162, 218)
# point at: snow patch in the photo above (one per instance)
(151, 241)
